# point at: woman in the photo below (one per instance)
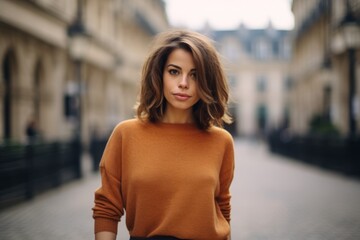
(171, 168)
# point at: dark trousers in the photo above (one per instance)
(155, 238)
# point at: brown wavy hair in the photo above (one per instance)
(211, 109)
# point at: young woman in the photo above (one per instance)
(171, 168)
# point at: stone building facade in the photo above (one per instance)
(325, 68)
(257, 66)
(72, 66)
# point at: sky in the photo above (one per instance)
(229, 14)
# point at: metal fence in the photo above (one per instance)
(26, 170)
(337, 154)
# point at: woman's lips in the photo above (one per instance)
(181, 96)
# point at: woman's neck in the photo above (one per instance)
(179, 116)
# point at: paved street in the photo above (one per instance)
(273, 199)
(278, 199)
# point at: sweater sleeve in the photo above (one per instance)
(108, 207)
(226, 177)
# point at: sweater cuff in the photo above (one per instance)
(105, 225)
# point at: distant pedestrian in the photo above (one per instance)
(170, 169)
(32, 133)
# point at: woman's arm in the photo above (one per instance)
(109, 207)
(105, 236)
(226, 177)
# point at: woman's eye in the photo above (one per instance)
(193, 75)
(173, 72)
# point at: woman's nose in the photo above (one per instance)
(184, 82)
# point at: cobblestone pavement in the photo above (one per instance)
(273, 199)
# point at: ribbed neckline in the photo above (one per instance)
(177, 127)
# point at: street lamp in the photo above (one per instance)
(349, 38)
(351, 35)
(78, 44)
(77, 50)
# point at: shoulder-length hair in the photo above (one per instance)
(211, 109)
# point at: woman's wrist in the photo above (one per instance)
(105, 236)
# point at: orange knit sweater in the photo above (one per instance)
(171, 179)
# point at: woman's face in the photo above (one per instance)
(179, 78)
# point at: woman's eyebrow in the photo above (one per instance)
(173, 65)
(176, 66)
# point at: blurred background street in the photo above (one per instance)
(274, 198)
(70, 72)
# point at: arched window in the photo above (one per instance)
(37, 118)
(8, 70)
(37, 93)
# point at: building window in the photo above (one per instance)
(285, 49)
(37, 91)
(287, 83)
(8, 77)
(71, 101)
(232, 81)
(327, 102)
(261, 84)
(262, 51)
(275, 48)
(230, 50)
(262, 115)
(70, 106)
